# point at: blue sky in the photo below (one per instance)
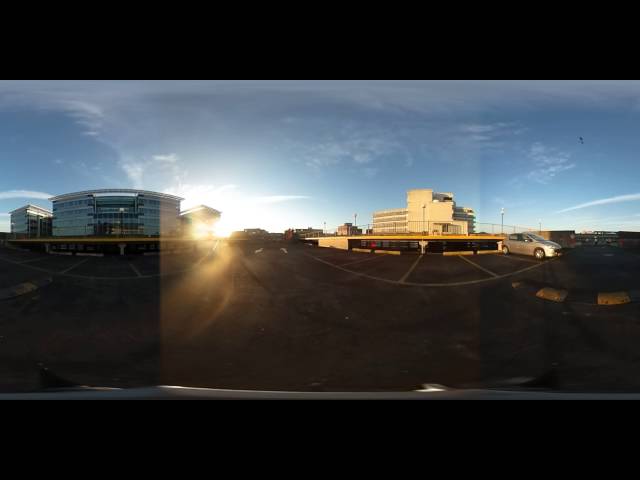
(300, 153)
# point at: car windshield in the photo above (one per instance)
(319, 235)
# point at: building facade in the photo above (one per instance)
(428, 212)
(465, 214)
(348, 229)
(31, 221)
(117, 212)
(308, 232)
(199, 221)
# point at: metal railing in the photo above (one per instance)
(498, 228)
(396, 228)
(428, 227)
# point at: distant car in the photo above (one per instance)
(530, 244)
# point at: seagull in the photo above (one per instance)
(581, 140)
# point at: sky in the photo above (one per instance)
(281, 154)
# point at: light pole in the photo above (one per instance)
(324, 230)
(502, 221)
(121, 222)
(423, 207)
(540, 227)
(355, 222)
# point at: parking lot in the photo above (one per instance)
(290, 316)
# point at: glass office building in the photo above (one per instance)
(113, 212)
(31, 221)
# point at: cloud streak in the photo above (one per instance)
(24, 194)
(280, 198)
(547, 162)
(603, 201)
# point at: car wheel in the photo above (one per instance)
(539, 254)
(505, 250)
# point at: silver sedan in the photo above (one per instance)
(530, 244)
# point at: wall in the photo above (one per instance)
(334, 242)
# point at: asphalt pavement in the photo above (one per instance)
(292, 317)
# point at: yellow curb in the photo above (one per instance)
(458, 253)
(388, 252)
(552, 294)
(487, 252)
(613, 298)
(361, 250)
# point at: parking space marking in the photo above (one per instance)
(136, 271)
(478, 266)
(93, 277)
(360, 260)
(32, 260)
(415, 284)
(75, 265)
(511, 257)
(411, 268)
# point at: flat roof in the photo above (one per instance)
(128, 191)
(35, 207)
(197, 208)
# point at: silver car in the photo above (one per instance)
(530, 244)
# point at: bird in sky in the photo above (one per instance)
(581, 140)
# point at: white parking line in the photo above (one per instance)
(360, 260)
(511, 257)
(75, 265)
(136, 271)
(415, 284)
(259, 250)
(32, 260)
(406, 275)
(477, 266)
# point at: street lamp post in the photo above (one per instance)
(121, 222)
(540, 227)
(502, 220)
(355, 222)
(324, 230)
(423, 207)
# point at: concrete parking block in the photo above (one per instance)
(613, 298)
(23, 288)
(552, 294)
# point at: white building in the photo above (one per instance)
(31, 221)
(428, 212)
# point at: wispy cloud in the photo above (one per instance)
(24, 194)
(356, 147)
(280, 198)
(134, 172)
(604, 201)
(170, 158)
(547, 162)
(486, 128)
(137, 169)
